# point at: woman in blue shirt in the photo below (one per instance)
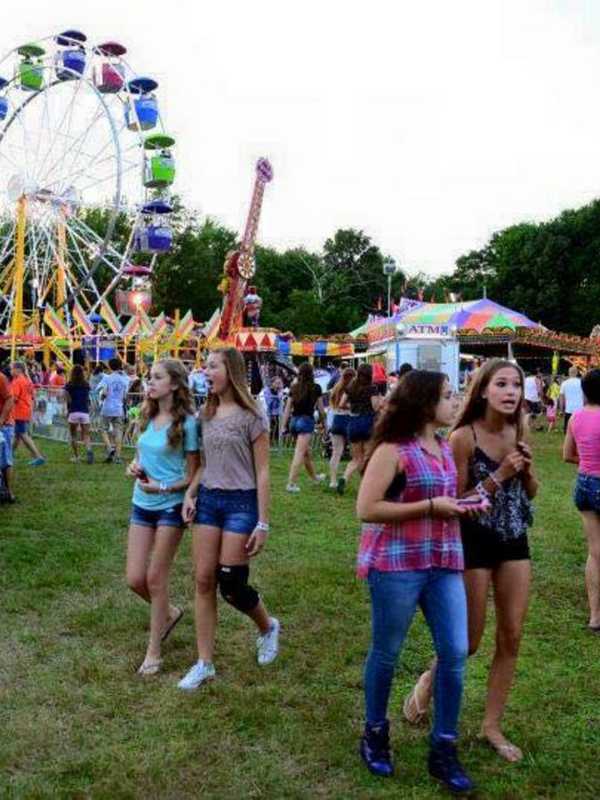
(167, 458)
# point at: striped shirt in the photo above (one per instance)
(420, 543)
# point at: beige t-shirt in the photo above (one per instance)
(227, 446)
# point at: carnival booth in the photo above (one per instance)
(429, 335)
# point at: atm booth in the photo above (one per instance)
(423, 346)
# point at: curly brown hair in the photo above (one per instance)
(409, 408)
(182, 401)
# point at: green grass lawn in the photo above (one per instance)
(76, 721)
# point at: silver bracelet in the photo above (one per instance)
(262, 526)
(163, 488)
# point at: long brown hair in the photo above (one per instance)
(475, 404)
(361, 385)
(303, 385)
(409, 408)
(341, 386)
(182, 401)
(235, 367)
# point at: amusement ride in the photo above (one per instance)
(80, 129)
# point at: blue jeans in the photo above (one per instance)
(394, 598)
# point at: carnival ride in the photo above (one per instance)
(79, 130)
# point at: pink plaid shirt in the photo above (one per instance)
(423, 543)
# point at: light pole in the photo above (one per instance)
(389, 269)
(399, 332)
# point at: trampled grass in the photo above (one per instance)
(76, 721)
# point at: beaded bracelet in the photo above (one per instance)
(482, 491)
(492, 476)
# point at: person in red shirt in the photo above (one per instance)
(57, 377)
(6, 434)
(22, 391)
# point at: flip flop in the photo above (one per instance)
(170, 625)
(150, 668)
(508, 751)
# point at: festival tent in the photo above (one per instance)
(472, 315)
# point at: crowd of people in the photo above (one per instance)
(445, 500)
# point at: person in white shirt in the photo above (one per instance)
(571, 396)
(532, 397)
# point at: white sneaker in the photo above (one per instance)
(320, 477)
(267, 646)
(200, 672)
(293, 488)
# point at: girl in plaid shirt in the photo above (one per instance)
(411, 555)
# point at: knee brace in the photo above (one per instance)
(233, 583)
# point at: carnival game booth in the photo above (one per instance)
(430, 335)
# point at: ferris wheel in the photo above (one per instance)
(79, 130)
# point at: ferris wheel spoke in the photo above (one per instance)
(93, 159)
(58, 130)
(77, 144)
(109, 178)
(86, 284)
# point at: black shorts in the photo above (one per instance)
(483, 549)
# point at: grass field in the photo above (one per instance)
(76, 721)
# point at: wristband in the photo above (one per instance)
(262, 526)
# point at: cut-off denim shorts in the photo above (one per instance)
(340, 424)
(360, 427)
(303, 424)
(587, 493)
(234, 510)
(158, 518)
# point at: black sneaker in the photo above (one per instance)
(375, 749)
(111, 456)
(90, 456)
(445, 766)
(341, 485)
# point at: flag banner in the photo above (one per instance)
(160, 324)
(132, 327)
(55, 323)
(110, 317)
(185, 327)
(81, 319)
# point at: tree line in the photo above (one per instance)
(549, 271)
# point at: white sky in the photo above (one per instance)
(427, 123)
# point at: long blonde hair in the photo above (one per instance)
(341, 386)
(182, 401)
(235, 367)
(475, 404)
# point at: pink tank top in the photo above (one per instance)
(585, 426)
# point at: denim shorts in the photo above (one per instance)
(161, 517)
(21, 426)
(587, 493)
(360, 427)
(303, 424)
(234, 510)
(339, 425)
(6, 446)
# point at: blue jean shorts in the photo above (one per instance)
(161, 517)
(339, 425)
(21, 426)
(587, 493)
(234, 510)
(360, 427)
(6, 446)
(303, 424)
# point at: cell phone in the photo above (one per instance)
(143, 476)
(474, 503)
